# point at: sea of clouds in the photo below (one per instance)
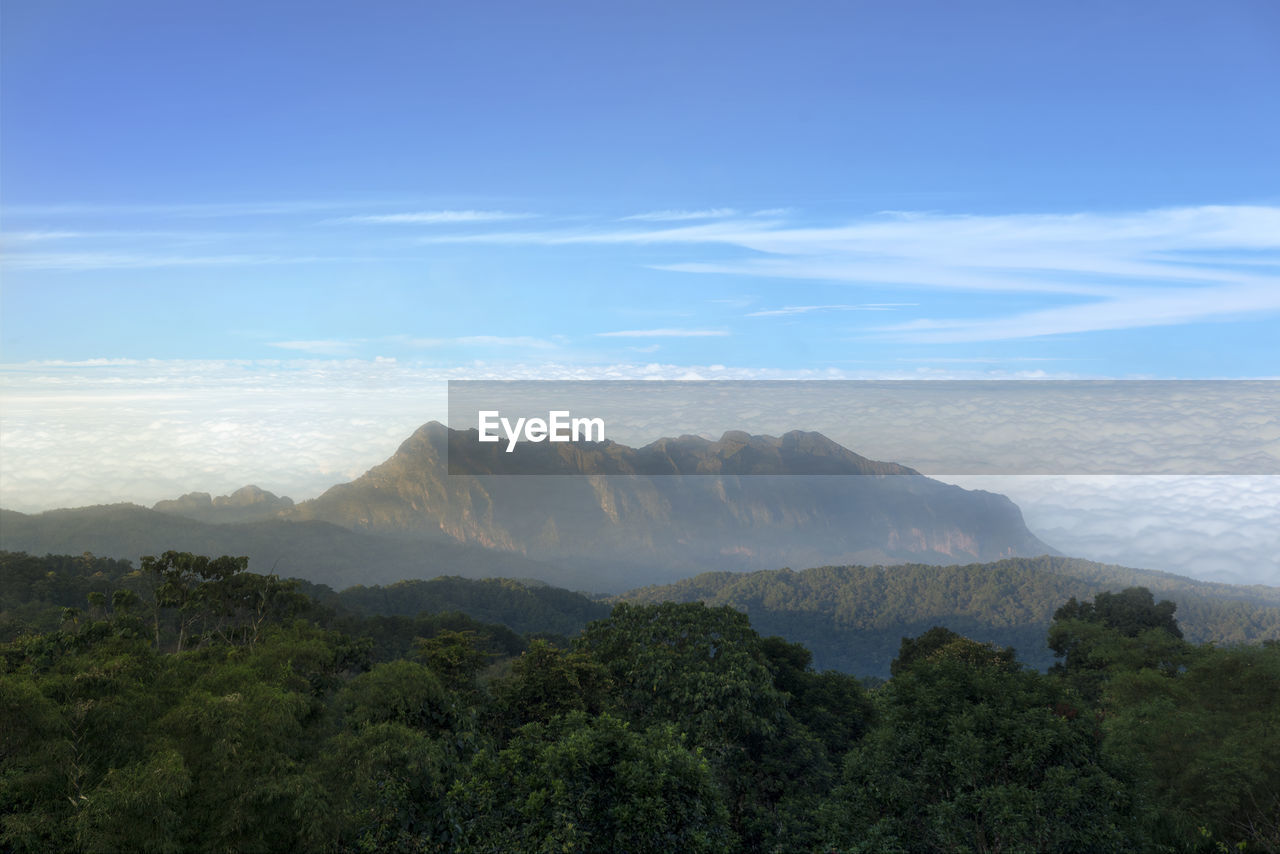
(75, 434)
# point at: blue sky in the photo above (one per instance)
(252, 240)
(1080, 188)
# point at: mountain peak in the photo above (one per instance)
(721, 519)
(246, 504)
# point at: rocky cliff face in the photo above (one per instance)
(741, 502)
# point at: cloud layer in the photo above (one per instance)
(101, 431)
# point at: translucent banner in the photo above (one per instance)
(1172, 427)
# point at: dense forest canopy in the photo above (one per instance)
(189, 704)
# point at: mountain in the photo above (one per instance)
(740, 503)
(853, 618)
(706, 513)
(247, 504)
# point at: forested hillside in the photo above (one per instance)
(33, 590)
(221, 710)
(853, 617)
(317, 551)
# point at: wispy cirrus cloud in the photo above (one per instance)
(665, 333)
(724, 232)
(1116, 270)
(1131, 310)
(348, 346)
(320, 347)
(435, 217)
(680, 215)
(187, 209)
(73, 261)
(792, 310)
(1093, 271)
(40, 236)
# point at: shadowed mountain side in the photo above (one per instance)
(667, 527)
(853, 618)
(316, 551)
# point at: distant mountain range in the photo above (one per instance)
(740, 503)
(897, 552)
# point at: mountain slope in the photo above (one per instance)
(787, 512)
(854, 617)
(247, 504)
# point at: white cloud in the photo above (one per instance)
(79, 261)
(1214, 528)
(436, 217)
(1155, 267)
(664, 333)
(728, 231)
(331, 346)
(790, 310)
(183, 209)
(99, 430)
(345, 346)
(678, 215)
(1164, 307)
(40, 236)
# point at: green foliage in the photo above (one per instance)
(972, 752)
(140, 807)
(702, 667)
(546, 681)
(707, 671)
(252, 720)
(402, 692)
(1129, 612)
(525, 608)
(37, 758)
(833, 706)
(456, 656)
(1115, 633)
(591, 784)
(1209, 742)
(853, 618)
(382, 787)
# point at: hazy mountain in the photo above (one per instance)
(806, 502)
(247, 504)
(853, 618)
(630, 528)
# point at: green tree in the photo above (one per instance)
(1209, 741)
(179, 576)
(457, 656)
(546, 681)
(403, 692)
(382, 787)
(974, 753)
(1114, 633)
(589, 784)
(707, 671)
